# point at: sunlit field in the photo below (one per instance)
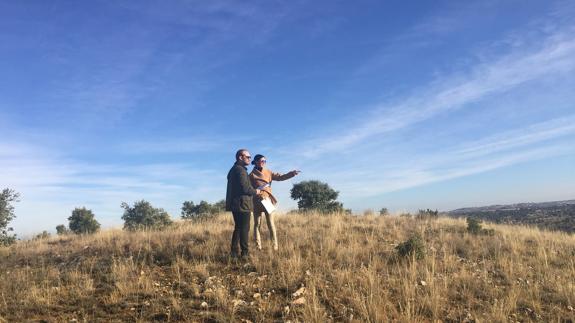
(329, 268)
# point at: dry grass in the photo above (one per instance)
(348, 266)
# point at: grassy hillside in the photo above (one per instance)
(329, 268)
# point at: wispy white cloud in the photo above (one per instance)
(501, 74)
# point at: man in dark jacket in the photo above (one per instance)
(239, 200)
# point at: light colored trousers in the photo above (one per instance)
(271, 228)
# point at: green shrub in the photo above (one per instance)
(474, 227)
(413, 247)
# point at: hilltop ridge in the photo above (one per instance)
(556, 215)
(330, 268)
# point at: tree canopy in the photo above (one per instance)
(144, 216)
(316, 196)
(82, 221)
(7, 197)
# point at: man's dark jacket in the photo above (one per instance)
(239, 193)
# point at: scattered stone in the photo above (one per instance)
(308, 273)
(257, 296)
(299, 292)
(157, 284)
(570, 308)
(299, 301)
(204, 305)
(261, 278)
(286, 310)
(239, 293)
(423, 283)
(253, 273)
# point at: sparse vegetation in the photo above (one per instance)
(383, 211)
(339, 269)
(82, 221)
(143, 216)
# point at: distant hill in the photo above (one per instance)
(557, 215)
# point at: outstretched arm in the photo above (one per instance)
(280, 177)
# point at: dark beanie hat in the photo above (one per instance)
(256, 158)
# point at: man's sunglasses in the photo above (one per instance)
(248, 157)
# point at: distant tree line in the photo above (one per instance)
(310, 196)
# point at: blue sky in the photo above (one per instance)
(439, 104)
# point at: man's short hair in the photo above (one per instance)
(240, 152)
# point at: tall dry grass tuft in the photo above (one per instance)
(329, 268)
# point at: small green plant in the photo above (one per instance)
(413, 247)
(383, 211)
(474, 227)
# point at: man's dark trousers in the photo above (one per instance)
(241, 233)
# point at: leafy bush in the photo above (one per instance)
(144, 216)
(82, 221)
(316, 196)
(383, 211)
(413, 247)
(6, 215)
